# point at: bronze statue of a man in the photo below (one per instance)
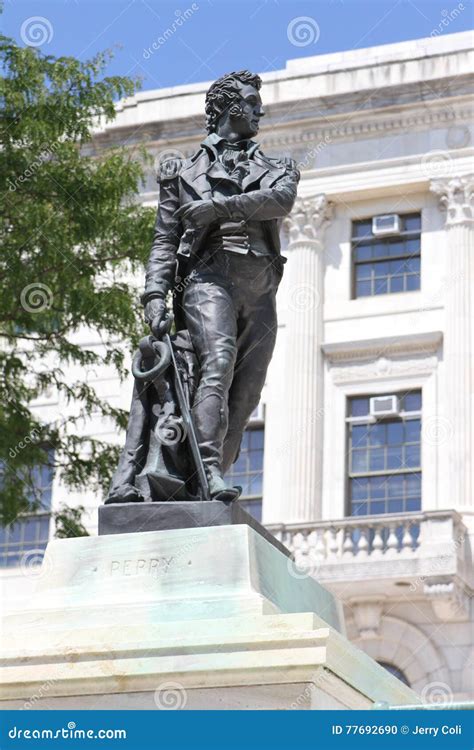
(217, 232)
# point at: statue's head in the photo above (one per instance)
(233, 104)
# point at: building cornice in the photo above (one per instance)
(389, 346)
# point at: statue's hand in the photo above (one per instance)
(197, 213)
(155, 313)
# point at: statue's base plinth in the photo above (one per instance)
(130, 518)
(195, 618)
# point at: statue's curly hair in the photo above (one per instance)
(224, 92)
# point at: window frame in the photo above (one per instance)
(367, 419)
(372, 240)
(43, 511)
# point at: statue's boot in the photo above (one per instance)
(125, 493)
(218, 489)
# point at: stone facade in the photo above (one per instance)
(381, 131)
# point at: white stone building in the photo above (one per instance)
(367, 473)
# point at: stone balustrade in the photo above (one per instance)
(375, 538)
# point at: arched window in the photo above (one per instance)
(395, 671)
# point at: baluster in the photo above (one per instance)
(320, 546)
(392, 541)
(333, 544)
(348, 544)
(302, 557)
(407, 539)
(377, 544)
(363, 546)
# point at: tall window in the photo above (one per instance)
(247, 472)
(30, 533)
(386, 264)
(384, 441)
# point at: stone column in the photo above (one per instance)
(457, 196)
(302, 454)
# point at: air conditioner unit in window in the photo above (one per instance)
(387, 224)
(384, 406)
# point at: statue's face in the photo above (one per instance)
(246, 123)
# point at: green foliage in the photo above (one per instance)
(71, 233)
(68, 522)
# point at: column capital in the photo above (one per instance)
(308, 219)
(456, 194)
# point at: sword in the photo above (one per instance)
(183, 403)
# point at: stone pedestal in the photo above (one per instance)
(186, 618)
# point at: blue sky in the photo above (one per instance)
(222, 35)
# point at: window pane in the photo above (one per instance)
(359, 461)
(31, 529)
(412, 247)
(380, 250)
(255, 484)
(253, 507)
(381, 286)
(381, 269)
(377, 508)
(395, 506)
(413, 283)
(256, 439)
(395, 248)
(256, 460)
(413, 485)
(395, 266)
(15, 532)
(362, 228)
(412, 455)
(363, 288)
(359, 436)
(412, 265)
(414, 504)
(241, 463)
(394, 457)
(377, 487)
(412, 430)
(396, 284)
(363, 252)
(412, 223)
(360, 509)
(359, 407)
(247, 472)
(359, 488)
(412, 401)
(364, 271)
(394, 433)
(395, 486)
(377, 434)
(377, 459)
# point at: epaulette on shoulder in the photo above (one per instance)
(169, 168)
